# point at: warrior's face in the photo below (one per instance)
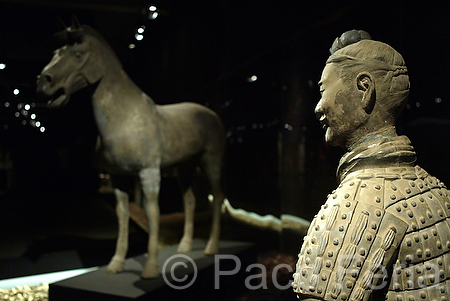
(339, 110)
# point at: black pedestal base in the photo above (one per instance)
(220, 277)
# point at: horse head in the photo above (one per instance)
(76, 65)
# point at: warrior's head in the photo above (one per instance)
(364, 87)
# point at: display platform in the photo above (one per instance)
(188, 276)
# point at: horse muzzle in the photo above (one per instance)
(57, 96)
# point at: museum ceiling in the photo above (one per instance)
(230, 37)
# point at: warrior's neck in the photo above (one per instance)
(385, 132)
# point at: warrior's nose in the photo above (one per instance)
(318, 110)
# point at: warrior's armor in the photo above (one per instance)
(383, 234)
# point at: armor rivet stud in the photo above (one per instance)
(410, 285)
(349, 284)
(419, 253)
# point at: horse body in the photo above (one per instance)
(137, 136)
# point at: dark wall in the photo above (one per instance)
(206, 51)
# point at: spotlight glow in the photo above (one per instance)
(152, 8)
(153, 16)
(16, 91)
(252, 78)
(139, 37)
(2, 66)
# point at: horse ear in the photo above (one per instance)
(61, 25)
(75, 22)
(61, 35)
(75, 32)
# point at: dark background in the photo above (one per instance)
(206, 51)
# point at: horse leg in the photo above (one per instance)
(123, 215)
(150, 180)
(213, 170)
(189, 210)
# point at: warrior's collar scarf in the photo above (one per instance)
(394, 151)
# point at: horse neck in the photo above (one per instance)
(118, 98)
(116, 87)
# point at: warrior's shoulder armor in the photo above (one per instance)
(379, 226)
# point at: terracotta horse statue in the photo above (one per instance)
(136, 136)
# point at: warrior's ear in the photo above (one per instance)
(366, 86)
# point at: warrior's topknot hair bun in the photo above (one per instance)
(349, 37)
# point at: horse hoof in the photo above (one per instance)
(150, 271)
(212, 248)
(184, 246)
(115, 267)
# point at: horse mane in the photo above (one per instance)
(89, 31)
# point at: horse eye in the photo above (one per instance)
(78, 54)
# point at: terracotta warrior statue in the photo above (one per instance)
(384, 233)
